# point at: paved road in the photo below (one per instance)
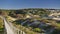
(10, 29)
(7, 26)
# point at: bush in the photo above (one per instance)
(37, 29)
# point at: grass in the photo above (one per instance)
(58, 26)
(1, 26)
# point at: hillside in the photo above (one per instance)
(31, 20)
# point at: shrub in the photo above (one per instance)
(37, 29)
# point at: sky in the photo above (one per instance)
(19, 4)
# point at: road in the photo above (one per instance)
(10, 29)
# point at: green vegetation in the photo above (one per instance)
(1, 23)
(1, 26)
(36, 13)
(26, 30)
(58, 26)
(37, 29)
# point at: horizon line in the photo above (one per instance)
(25, 8)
